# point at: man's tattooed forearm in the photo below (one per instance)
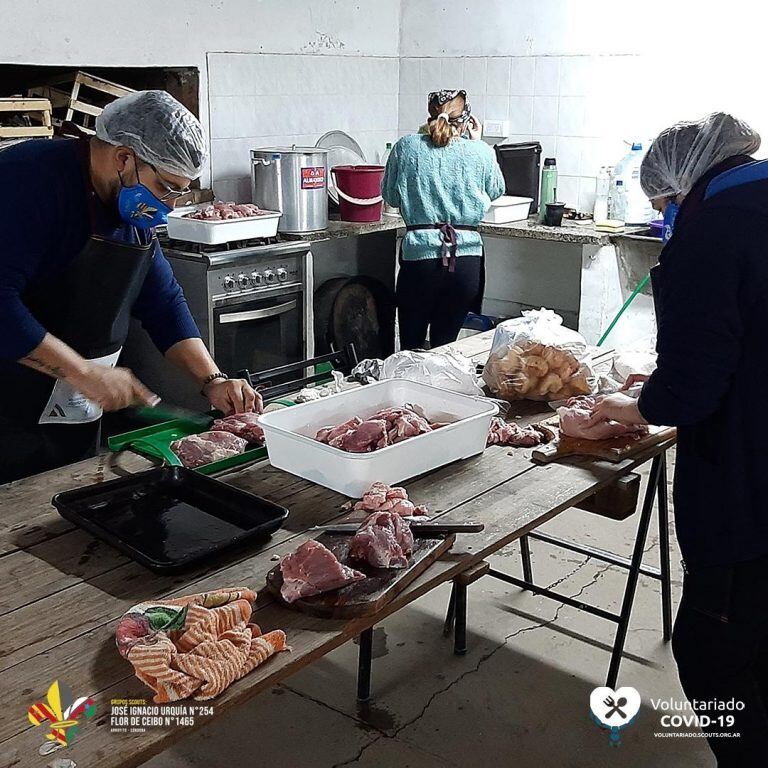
(41, 365)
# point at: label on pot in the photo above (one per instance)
(313, 178)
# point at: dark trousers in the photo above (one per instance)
(431, 297)
(720, 642)
(27, 449)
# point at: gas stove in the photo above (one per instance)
(251, 300)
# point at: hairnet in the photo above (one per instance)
(682, 154)
(159, 129)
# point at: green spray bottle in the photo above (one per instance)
(548, 186)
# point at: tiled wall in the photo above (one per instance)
(259, 100)
(568, 103)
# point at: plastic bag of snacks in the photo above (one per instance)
(534, 357)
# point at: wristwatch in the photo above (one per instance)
(212, 377)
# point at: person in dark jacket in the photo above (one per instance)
(711, 295)
(78, 259)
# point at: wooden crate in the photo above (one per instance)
(80, 99)
(31, 110)
(77, 97)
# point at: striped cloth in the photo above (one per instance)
(196, 645)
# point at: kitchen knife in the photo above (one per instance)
(420, 530)
(161, 411)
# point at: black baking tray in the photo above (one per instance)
(170, 517)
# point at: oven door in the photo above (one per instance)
(260, 331)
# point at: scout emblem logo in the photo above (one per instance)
(614, 710)
(144, 211)
(61, 712)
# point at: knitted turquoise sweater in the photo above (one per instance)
(432, 185)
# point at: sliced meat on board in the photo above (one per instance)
(575, 415)
(207, 447)
(313, 569)
(515, 436)
(245, 425)
(383, 498)
(384, 540)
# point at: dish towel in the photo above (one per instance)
(196, 645)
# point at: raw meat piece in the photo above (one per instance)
(384, 540)
(245, 425)
(387, 427)
(313, 569)
(364, 438)
(197, 450)
(224, 211)
(327, 434)
(511, 434)
(402, 423)
(381, 498)
(577, 411)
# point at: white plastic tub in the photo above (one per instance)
(506, 209)
(218, 232)
(291, 445)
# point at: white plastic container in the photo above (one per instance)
(506, 209)
(218, 232)
(290, 435)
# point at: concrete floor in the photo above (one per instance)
(518, 698)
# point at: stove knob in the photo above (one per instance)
(256, 278)
(282, 275)
(229, 284)
(242, 281)
(269, 276)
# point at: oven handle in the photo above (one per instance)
(258, 314)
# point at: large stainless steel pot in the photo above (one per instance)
(294, 181)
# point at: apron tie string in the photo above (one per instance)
(449, 241)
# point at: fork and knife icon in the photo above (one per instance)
(614, 707)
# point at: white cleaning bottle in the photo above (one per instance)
(600, 212)
(389, 210)
(633, 207)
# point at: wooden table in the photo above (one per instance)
(61, 591)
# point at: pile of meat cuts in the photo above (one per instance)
(386, 427)
(229, 436)
(381, 498)
(197, 450)
(313, 569)
(384, 540)
(511, 434)
(245, 425)
(224, 211)
(577, 411)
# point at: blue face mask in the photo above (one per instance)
(139, 207)
(670, 214)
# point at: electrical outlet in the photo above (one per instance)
(497, 128)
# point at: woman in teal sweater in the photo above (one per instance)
(443, 185)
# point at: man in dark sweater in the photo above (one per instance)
(711, 295)
(78, 257)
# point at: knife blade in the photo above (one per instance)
(161, 411)
(420, 530)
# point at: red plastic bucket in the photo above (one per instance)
(359, 188)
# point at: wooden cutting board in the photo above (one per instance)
(616, 449)
(368, 597)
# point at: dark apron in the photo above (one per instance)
(449, 246)
(88, 306)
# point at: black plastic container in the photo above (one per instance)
(521, 167)
(170, 517)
